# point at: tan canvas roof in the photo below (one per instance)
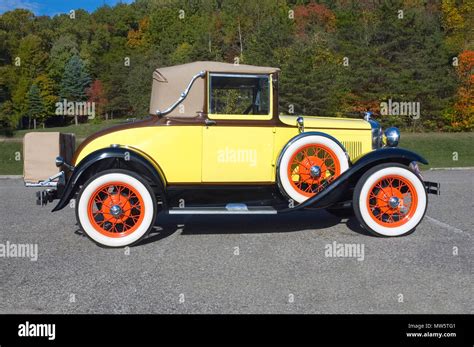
(170, 82)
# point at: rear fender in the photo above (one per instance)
(103, 158)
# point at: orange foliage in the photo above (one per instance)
(355, 104)
(311, 15)
(463, 118)
(95, 93)
(135, 38)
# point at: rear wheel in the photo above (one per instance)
(116, 208)
(390, 200)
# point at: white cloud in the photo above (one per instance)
(9, 5)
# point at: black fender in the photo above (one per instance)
(340, 185)
(95, 157)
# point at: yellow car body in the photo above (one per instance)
(204, 154)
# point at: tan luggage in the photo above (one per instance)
(40, 150)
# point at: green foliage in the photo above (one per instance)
(19, 99)
(6, 112)
(337, 57)
(32, 55)
(36, 110)
(62, 50)
(75, 80)
(46, 89)
(138, 89)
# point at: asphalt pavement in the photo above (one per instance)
(242, 264)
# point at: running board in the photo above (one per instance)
(229, 209)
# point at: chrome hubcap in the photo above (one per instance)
(315, 171)
(116, 211)
(394, 202)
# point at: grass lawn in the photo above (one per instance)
(81, 130)
(9, 165)
(437, 148)
(440, 148)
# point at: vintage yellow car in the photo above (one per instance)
(216, 143)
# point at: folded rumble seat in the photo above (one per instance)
(40, 150)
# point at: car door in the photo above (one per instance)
(237, 142)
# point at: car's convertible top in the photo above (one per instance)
(169, 83)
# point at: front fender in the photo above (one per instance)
(388, 154)
(333, 193)
(96, 157)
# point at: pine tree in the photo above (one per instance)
(35, 104)
(74, 82)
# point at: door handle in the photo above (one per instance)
(208, 122)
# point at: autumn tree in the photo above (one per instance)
(463, 116)
(96, 94)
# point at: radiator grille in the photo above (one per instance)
(354, 148)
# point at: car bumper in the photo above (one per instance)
(432, 187)
(54, 188)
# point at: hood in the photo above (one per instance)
(328, 122)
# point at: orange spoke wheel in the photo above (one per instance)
(392, 201)
(116, 209)
(312, 167)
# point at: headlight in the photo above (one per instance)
(392, 137)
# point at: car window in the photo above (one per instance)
(239, 94)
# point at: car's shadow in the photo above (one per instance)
(167, 225)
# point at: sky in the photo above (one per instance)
(53, 7)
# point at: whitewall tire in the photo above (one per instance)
(116, 208)
(308, 165)
(390, 200)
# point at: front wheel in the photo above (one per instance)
(308, 165)
(390, 200)
(116, 208)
